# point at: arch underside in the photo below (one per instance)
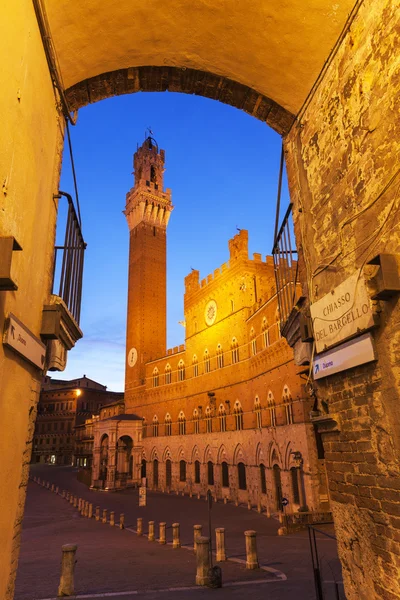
(186, 81)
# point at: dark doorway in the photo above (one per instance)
(225, 474)
(168, 472)
(143, 469)
(197, 471)
(278, 487)
(242, 476)
(155, 472)
(210, 473)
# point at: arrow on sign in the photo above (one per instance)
(12, 331)
(316, 368)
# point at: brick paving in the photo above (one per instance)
(112, 561)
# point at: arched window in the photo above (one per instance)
(155, 426)
(182, 423)
(153, 177)
(225, 474)
(258, 411)
(288, 402)
(168, 373)
(195, 365)
(272, 409)
(155, 472)
(168, 424)
(220, 357)
(265, 332)
(182, 470)
(253, 342)
(206, 361)
(222, 417)
(263, 479)
(295, 485)
(208, 420)
(155, 377)
(242, 476)
(181, 370)
(238, 412)
(197, 471)
(235, 351)
(196, 421)
(210, 473)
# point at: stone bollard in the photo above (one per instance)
(79, 504)
(57, 490)
(203, 561)
(236, 502)
(67, 496)
(259, 507)
(225, 500)
(151, 536)
(90, 513)
(251, 550)
(48, 485)
(281, 517)
(190, 494)
(196, 534)
(85, 508)
(162, 539)
(220, 544)
(97, 517)
(52, 487)
(198, 495)
(268, 513)
(112, 518)
(63, 493)
(177, 492)
(249, 504)
(176, 541)
(66, 587)
(104, 519)
(122, 521)
(74, 501)
(139, 526)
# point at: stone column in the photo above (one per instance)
(176, 542)
(95, 465)
(122, 521)
(203, 561)
(162, 539)
(197, 529)
(220, 544)
(139, 526)
(66, 587)
(251, 550)
(151, 537)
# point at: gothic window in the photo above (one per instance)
(196, 421)
(197, 471)
(235, 351)
(225, 474)
(210, 473)
(242, 476)
(220, 357)
(181, 370)
(168, 373)
(253, 342)
(206, 362)
(182, 423)
(195, 365)
(222, 418)
(265, 332)
(258, 411)
(238, 413)
(263, 479)
(208, 420)
(288, 402)
(155, 472)
(155, 426)
(182, 470)
(153, 176)
(168, 424)
(155, 377)
(272, 409)
(168, 472)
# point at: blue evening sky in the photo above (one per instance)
(222, 166)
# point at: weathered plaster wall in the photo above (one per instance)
(30, 147)
(343, 161)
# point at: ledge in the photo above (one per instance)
(328, 423)
(59, 324)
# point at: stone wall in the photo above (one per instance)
(343, 166)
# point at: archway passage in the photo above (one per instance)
(168, 473)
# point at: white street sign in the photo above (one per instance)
(18, 337)
(350, 354)
(142, 496)
(342, 313)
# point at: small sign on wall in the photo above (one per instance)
(20, 339)
(342, 313)
(142, 496)
(350, 354)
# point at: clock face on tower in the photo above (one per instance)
(132, 357)
(210, 313)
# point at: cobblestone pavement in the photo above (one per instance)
(123, 565)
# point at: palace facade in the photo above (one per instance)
(228, 410)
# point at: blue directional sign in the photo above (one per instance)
(285, 501)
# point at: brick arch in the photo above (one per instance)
(154, 454)
(261, 457)
(239, 455)
(222, 455)
(274, 455)
(167, 454)
(186, 81)
(195, 454)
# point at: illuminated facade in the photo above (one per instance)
(227, 410)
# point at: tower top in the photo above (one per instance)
(147, 201)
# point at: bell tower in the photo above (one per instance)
(148, 209)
